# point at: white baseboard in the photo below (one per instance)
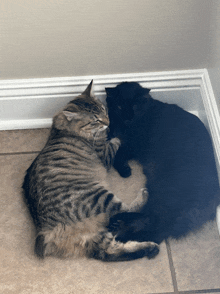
(212, 112)
(31, 103)
(26, 124)
(213, 117)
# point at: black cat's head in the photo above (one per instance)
(121, 102)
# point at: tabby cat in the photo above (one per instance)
(176, 153)
(66, 191)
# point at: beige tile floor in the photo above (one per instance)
(190, 265)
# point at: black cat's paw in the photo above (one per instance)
(115, 226)
(124, 171)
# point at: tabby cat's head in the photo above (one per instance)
(83, 116)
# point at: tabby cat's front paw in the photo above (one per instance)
(116, 142)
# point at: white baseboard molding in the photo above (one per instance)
(31, 103)
(213, 117)
(24, 100)
(212, 112)
(26, 124)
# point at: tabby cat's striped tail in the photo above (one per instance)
(89, 239)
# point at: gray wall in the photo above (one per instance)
(86, 37)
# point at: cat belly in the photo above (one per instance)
(127, 189)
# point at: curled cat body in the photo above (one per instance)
(67, 192)
(176, 153)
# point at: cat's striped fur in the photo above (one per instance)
(66, 189)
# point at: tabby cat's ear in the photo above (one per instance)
(60, 121)
(89, 90)
(70, 115)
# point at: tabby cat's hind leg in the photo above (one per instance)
(131, 250)
(89, 239)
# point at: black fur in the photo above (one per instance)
(176, 153)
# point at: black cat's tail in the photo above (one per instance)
(86, 240)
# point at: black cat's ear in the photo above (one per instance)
(111, 92)
(142, 91)
(89, 90)
(147, 90)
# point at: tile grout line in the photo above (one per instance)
(18, 153)
(162, 293)
(205, 291)
(172, 269)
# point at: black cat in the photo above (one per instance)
(176, 153)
